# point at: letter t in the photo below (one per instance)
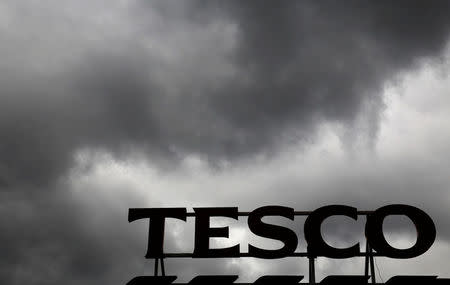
(157, 218)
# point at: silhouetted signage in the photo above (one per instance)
(316, 246)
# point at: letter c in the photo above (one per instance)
(316, 245)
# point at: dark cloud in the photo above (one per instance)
(294, 65)
(321, 60)
(221, 80)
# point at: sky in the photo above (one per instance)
(111, 105)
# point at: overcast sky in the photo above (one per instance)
(110, 105)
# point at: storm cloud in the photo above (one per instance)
(210, 86)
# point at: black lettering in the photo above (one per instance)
(285, 235)
(426, 231)
(203, 232)
(316, 245)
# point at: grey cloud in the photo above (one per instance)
(294, 65)
(168, 80)
(57, 239)
(322, 60)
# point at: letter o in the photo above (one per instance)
(426, 231)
